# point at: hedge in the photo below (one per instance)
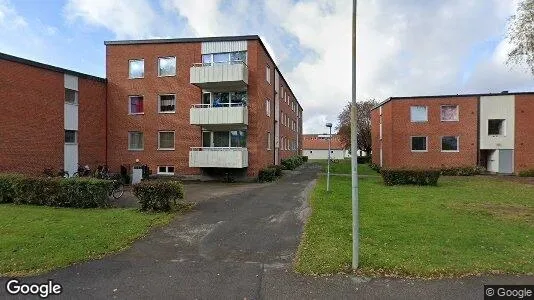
(525, 173)
(158, 195)
(57, 192)
(462, 171)
(375, 167)
(417, 177)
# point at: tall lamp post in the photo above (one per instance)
(329, 125)
(354, 149)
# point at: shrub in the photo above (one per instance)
(304, 158)
(7, 186)
(375, 167)
(462, 171)
(269, 174)
(363, 159)
(158, 195)
(525, 173)
(417, 177)
(292, 162)
(60, 192)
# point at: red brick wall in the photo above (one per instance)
(398, 129)
(91, 122)
(31, 125)
(120, 122)
(286, 131)
(375, 135)
(524, 132)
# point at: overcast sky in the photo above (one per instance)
(405, 47)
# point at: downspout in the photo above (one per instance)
(106, 124)
(274, 113)
(478, 132)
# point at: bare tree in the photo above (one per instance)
(363, 110)
(521, 35)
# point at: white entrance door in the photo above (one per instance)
(71, 158)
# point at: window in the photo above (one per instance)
(418, 113)
(71, 136)
(136, 68)
(165, 170)
(167, 103)
(496, 127)
(268, 107)
(136, 105)
(236, 138)
(224, 57)
(220, 139)
(449, 113)
(225, 99)
(419, 143)
(449, 144)
(166, 140)
(167, 66)
(268, 74)
(268, 140)
(71, 96)
(135, 140)
(206, 138)
(221, 99)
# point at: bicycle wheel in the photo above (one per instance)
(118, 191)
(76, 174)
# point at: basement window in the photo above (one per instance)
(419, 144)
(165, 170)
(496, 127)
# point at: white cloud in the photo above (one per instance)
(127, 19)
(405, 47)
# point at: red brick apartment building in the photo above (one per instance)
(193, 106)
(494, 131)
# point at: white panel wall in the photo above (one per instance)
(323, 154)
(219, 73)
(219, 115)
(219, 47)
(70, 121)
(497, 107)
(218, 159)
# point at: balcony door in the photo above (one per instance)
(224, 139)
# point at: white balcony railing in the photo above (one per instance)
(219, 75)
(223, 114)
(218, 157)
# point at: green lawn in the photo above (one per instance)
(464, 226)
(343, 166)
(35, 239)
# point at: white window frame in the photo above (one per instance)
(457, 143)
(426, 109)
(159, 104)
(142, 141)
(417, 136)
(129, 73)
(166, 170)
(268, 140)
(75, 137)
(175, 66)
(130, 105)
(449, 105)
(76, 100)
(268, 107)
(159, 140)
(268, 74)
(504, 123)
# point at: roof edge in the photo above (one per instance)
(184, 40)
(36, 64)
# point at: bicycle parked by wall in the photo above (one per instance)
(83, 171)
(117, 190)
(49, 172)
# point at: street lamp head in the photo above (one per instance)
(329, 125)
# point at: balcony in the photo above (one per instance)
(218, 157)
(219, 76)
(234, 115)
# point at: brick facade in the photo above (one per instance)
(397, 129)
(32, 123)
(32, 132)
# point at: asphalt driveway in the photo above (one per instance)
(239, 244)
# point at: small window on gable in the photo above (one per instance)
(71, 96)
(136, 68)
(496, 127)
(167, 66)
(268, 74)
(71, 136)
(418, 114)
(449, 113)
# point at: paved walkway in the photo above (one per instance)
(239, 246)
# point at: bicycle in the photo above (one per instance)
(83, 171)
(49, 173)
(117, 190)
